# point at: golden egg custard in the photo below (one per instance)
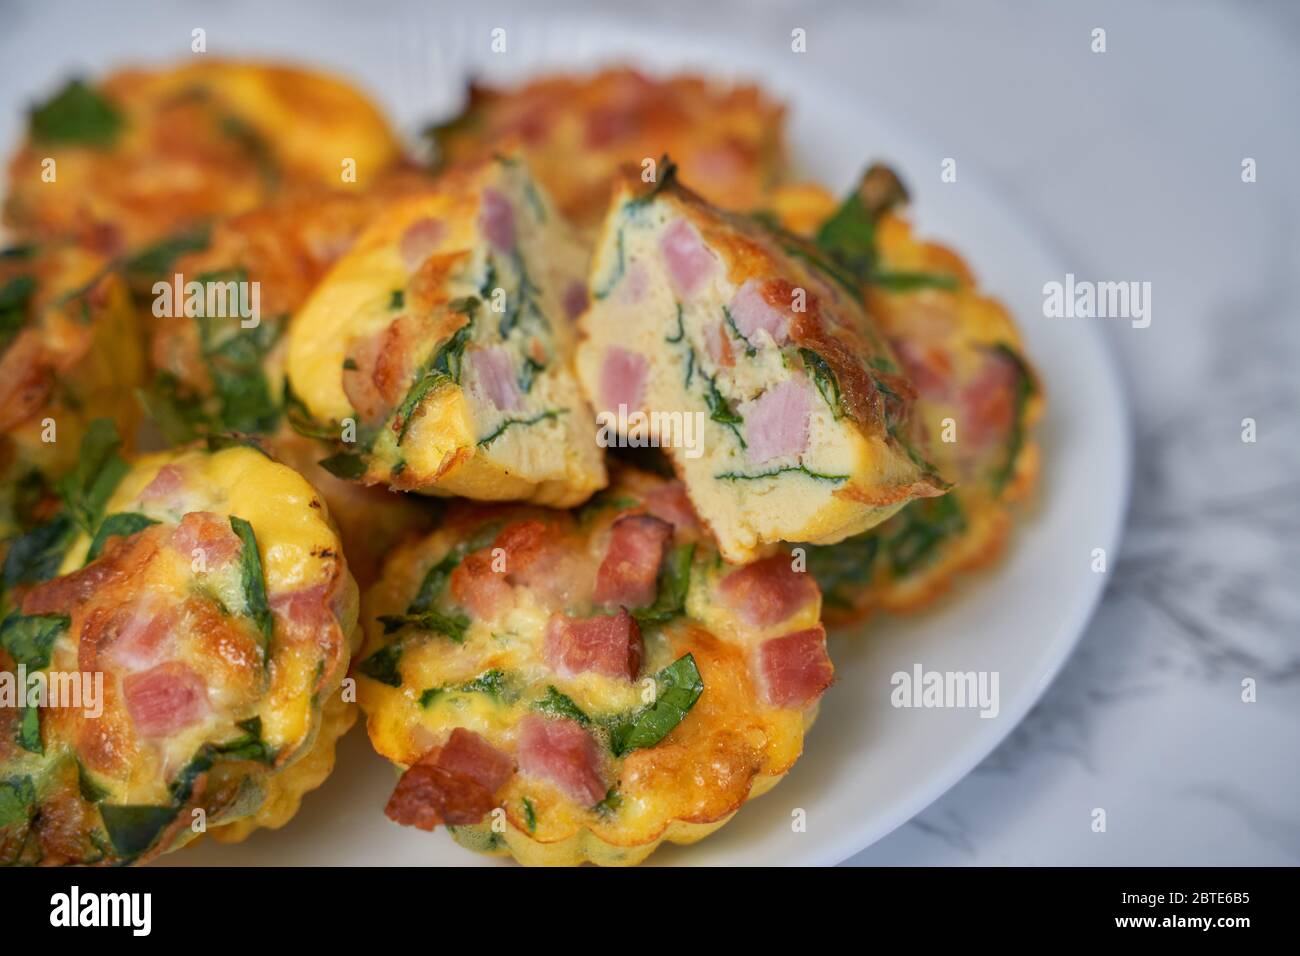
(572, 687)
(191, 645)
(146, 154)
(69, 351)
(437, 351)
(578, 131)
(699, 317)
(977, 399)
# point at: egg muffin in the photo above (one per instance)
(978, 399)
(580, 687)
(805, 431)
(146, 155)
(198, 628)
(437, 351)
(577, 131)
(69, 350)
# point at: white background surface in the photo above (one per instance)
(1130, 160)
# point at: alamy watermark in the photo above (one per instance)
(217, 298)
(1073, 299)
(940, 690)
(59, 689)
(624, 429)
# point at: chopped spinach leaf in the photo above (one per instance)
(1025, 389)
(453, 626)
(612, 803)
(914, 535)
(828, 386)
(157, 260)
(347, 465)
(99, 469)
(17, 801)
(681, 329)
(382, 665)
(750, 350)
(435, 582)
(549, 414)
(530, 815)
(616, 274)
(250, 566)
(123, 524)
(77, 115)
(29, 638)
(674, 583)
(786, 470)
(133, 829)
(678, 687)
(37, 555)
(397, 299)
(14, 298)
(561, 706)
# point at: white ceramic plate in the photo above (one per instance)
(868, 767)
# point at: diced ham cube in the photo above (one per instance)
(562, 752)
(669, 503)
(718, 345)
(203, 534)
(986, 405)
(751, 312)
(496, 378)
(690, 263)
(776, 423)
(622, 379)
(169, 480)
(928, 366)
(142, 634)
(606, 644)
(455, 784)
(165, 699)
(419, 241)
(795, 668)
(630, 571)
(575, 299)
(497, 220)
(478, 587)
(768, 591)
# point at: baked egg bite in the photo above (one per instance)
(570, 687)
(146, 154)
(437, 351)
(977, 399)
(191, 645)
(777, 400)
(69, 351)
(577, 131)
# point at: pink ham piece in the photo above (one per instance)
(207, 535)
(165, 484)
(562, 752)
(419, 241)
(622, 379)
(633, 288)
(776, 423)
(928, 366)
(575, 299)
(795, 668)
(751, 312)
(690, 263)
(986, 405)
(455, 784)
(718, 345)
(669, 503)
(768, 591)
(606, 644)
(497, 220)
(469, 754)
(165, 699)
(143, 636)
(496, 378)
(629, 574)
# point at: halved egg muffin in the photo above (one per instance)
(977, 399)
(145, 154)
(191, 645)
(700, 316)
(579, 687)
(437, 351)
(578, 131)
(69, 351)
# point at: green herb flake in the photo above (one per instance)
(678, 686)
(77, 115)
(674, 583)
(250, 564)
(561, 706)
(122, 524)
(383, 665)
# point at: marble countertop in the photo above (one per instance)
(1131, 162)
